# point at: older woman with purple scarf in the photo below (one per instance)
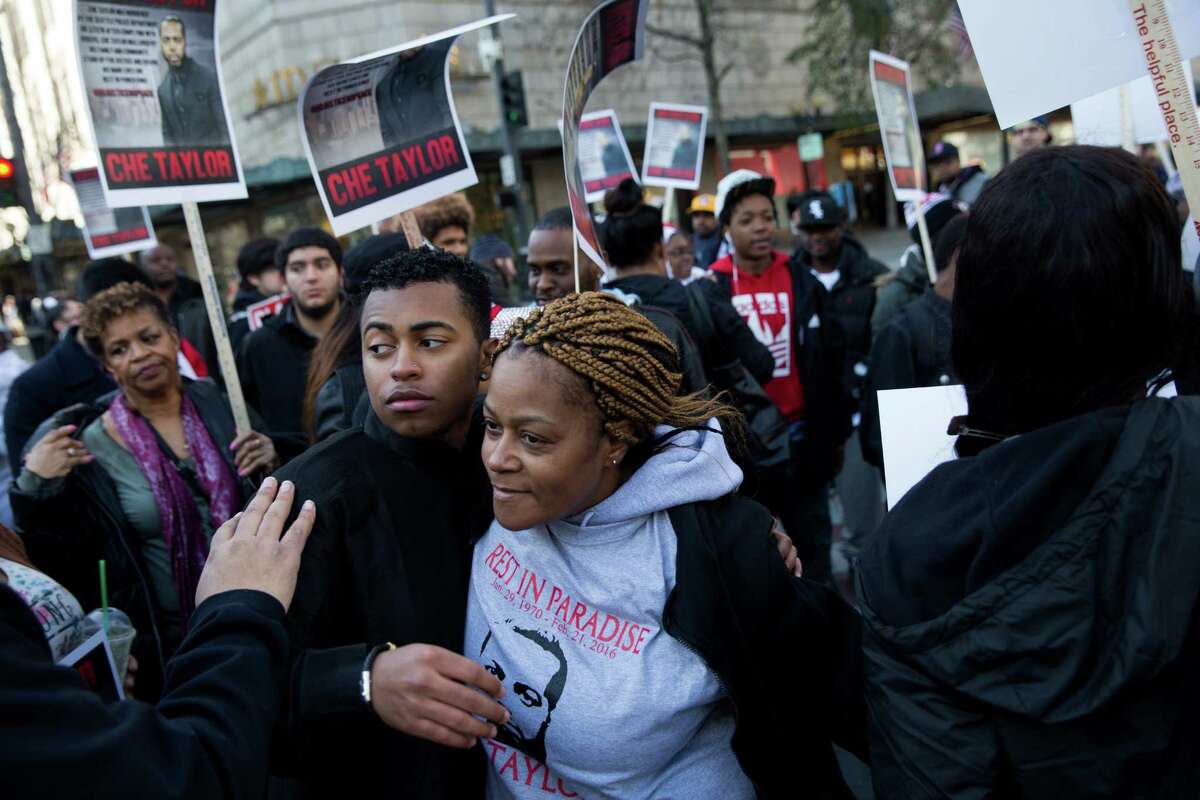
(141, 478)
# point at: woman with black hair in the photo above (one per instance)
(632, 238)
(1030, 608)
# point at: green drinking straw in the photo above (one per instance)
(104, 595)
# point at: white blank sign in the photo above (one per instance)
(1040, 55)
(912, 424)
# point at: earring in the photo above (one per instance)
(483, 376)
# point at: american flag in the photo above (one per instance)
(955, 23)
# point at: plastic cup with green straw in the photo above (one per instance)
(104, 596)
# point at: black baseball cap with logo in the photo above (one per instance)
(819, 210)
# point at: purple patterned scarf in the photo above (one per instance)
(182, 528)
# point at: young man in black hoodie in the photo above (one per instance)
(273, 360)
(260, 278)
(399, 499)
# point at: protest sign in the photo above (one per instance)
(811, 147)
(891, 86)
(912, 426)
(1124, 115)
(1037, 56)
(381, 131)
(94, 662)
(258, 313)
(604, 159)
(614, 34)
(898, 126)
(674, 154)
(109, 231)
(155, 97)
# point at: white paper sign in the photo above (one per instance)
(891, 85)
(151, 74)
(1040, 55)
(381, 132)
(1098, 119)
(912, 425)
(604, 159)
(109, 231)
(674, 146)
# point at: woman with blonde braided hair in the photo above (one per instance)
(650, 641)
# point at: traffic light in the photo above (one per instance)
(8, 184)
(512, 97)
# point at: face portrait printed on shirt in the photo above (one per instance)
(534, 684)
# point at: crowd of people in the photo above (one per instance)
(577, 539)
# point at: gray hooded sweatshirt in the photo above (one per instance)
(604, 703)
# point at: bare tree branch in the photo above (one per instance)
(725, 70)
(677, 37)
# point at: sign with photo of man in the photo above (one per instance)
(604, 159)
(152, 78)
(381, 132)
(109, 231)
(674, 146)
(898, 126)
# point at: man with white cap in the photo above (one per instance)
(784, 306)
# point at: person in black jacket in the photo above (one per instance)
(261, 278)
(618, 550)
(1030, 609)
(632, 239)
(913, 350)
(68, 374)
(140, 478)
(189, 97)
(399, 499)
(847, 274)
(208, 736)
(273, 360)
(786, 307)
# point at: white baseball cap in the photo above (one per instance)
(730, 181)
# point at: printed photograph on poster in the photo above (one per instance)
(898, 126)
(109, 231)
(674, 153)
(152, 78)
(381, 132)
(604, 159)
(613, 35)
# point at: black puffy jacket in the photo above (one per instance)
(1030, 626)
(850, 303)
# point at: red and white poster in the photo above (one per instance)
(109, 231)
(152, 77)
(381, 131)
(257, 314)
(674, 153)
(604, 159)
(614, 34)
(898, 126)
